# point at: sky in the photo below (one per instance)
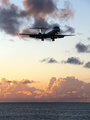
(32, 70)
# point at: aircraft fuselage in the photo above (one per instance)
(52, 31)
(49, 33)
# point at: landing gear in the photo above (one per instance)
(53, 39)
(42, 39)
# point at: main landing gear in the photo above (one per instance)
(42, 39)
(53, 39)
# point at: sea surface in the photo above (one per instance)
(45, 111)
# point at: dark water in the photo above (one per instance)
(44, 111)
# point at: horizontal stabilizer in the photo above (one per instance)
(39, 28)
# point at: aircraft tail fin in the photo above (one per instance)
(39, 28)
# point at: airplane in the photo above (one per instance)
(49, 33)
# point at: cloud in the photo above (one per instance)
(37, 92)
(81, 48)
(5, 2)
(72, 60)
(68, 89)
(67, 29)
(41, 9)
(25, 81)
(12, 17)
(88, 38)
(49, 60)
(13, 90)
(40, 22)
(0, 83)
(86, 79)
(24, 92)
(51, 82)
(87, 65)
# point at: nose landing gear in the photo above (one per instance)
(42, 39)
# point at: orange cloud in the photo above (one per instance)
(6, 2)
(11, 40)
(15, 90)
(68, 89)
(42, 9)
(86, 79)
(27, 31)
(25, 92)
(74, 91)
(37, 92)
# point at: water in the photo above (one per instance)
(44, 111)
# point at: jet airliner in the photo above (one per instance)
(49, 33)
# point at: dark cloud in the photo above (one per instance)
(42, 8)
(87, 65)
(49, 60)
(25, 81)
(8, 81)
(82, 48)
(88, 38)
(40, 22)
(39, 8)
(11, 19)
(73, 60)
(0, 83)
(68, 29)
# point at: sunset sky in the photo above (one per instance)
(32, 70)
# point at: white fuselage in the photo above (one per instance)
(52, 31)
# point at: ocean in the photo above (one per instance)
(45, 111)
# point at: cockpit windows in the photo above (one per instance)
(56, 27)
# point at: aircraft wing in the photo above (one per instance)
(43, 36)
(61, 36)
(34, 35)
(30, 35)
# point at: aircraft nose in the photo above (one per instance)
(58, 29)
